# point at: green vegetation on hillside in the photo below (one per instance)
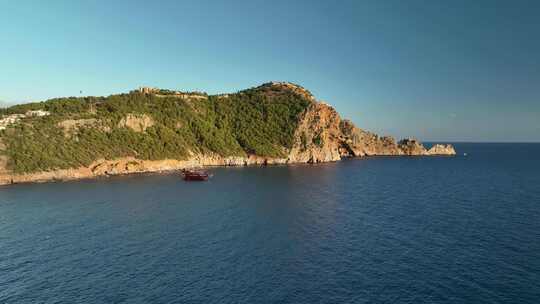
(249, 122)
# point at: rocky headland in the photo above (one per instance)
(99, 137)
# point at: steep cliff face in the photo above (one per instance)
(322, 136)
(317, 138)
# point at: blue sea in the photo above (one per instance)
(462, 229)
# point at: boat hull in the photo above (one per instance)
(195, 175)
(195, 178)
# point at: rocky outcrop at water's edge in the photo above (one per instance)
(322, 136)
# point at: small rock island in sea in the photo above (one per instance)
(150, 130)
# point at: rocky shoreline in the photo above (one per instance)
(130, 165)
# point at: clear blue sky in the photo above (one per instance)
(437, 70)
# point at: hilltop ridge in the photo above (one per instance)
(152, 129)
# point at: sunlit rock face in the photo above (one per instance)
(323, 136)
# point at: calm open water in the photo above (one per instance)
(379, 230)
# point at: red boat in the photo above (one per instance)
(195, 175)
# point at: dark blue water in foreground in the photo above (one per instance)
(379, 230)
